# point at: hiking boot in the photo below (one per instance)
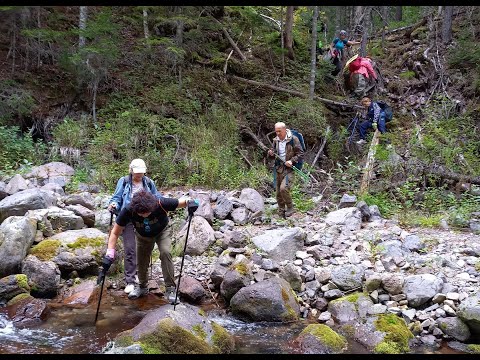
(361, 142)
(170, 295)
(129, 288)
(137, 292)
(281, 213)
(289, 212)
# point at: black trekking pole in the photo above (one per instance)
(183, 258)
(104, 275)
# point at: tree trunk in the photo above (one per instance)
(398, 13)
(82, 25)
(338, 20)
(447, 25)
(385, 23)
(282, 40)
(313, 52)
(289, 33)
(366, 26)
(179, 42)
(145, 24)
(358, 15)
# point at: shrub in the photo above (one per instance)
(17, 149)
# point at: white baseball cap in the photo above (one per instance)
(138, 166)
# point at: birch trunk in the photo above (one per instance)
(82, 25)
(313, 69)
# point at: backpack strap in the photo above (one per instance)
(160, 203)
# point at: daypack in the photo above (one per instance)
(299, 164)
(387, 109)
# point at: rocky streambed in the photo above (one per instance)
(346, 281)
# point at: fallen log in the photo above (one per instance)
(294, 92)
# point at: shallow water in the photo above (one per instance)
(72, 330)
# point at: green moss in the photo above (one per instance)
(22, 281)
(477, 266)
(407, 74)
(222, 339)
(386, 348)
(327, 336)
(83, 242)
(198, 329)
(284, 295)
(19, 297)
(170, 338)
(397, 334)
(474, 348)
(201, 312)
(289, 315)
(242, 268)
(124, 339)
(46, 250)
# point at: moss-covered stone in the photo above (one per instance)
(201, 312)
(348, 330)
(124, 339)
(396, 337)
(170, 338)
(22, 281)
(46, 250)
(329, 338)
(198, 329)
(474, 348)
(241, 267)
(83, 242)
(18, 298)
(222, 339)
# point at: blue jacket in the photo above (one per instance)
(123, 192)
(375, 113)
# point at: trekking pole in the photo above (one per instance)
(304, 176)
(181, 265)
(104, 275)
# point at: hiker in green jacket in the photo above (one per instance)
(287, 151)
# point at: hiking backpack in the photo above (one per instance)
(387, 109)
(299, 164)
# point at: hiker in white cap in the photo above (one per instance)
(127, 186)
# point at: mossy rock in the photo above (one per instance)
(18, 298)
(397, 334)
(46, 250)
(184, 331)
(473, 348)
(22, 281)
(321, 339)
(83, 242)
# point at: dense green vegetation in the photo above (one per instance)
(165, 98)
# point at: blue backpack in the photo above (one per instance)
(299, 164)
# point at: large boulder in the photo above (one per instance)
(19, 203)
(253, 200)
(290, 273)
(240, 215)
(320, 339)
(81, 295)
(102, 220)
(79, 250)
(267, 300)
(348, 277)
(201, 236)
(180, 331)
(350, 308)
(205, 209)
(86, 214)
(56, 172)
(85, 199)
(43, 276)
(3, 192)
(59, 219)
(393, 283)
(421, 288)
(25, 310)
(191, 290)
(349, 219)
(13, 285)
(223, 207)
(17, 234)
(281, 244)
(238, 276)
(469, 312)
(454, 327)
(16, 184)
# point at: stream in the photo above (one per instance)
(72, 330)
